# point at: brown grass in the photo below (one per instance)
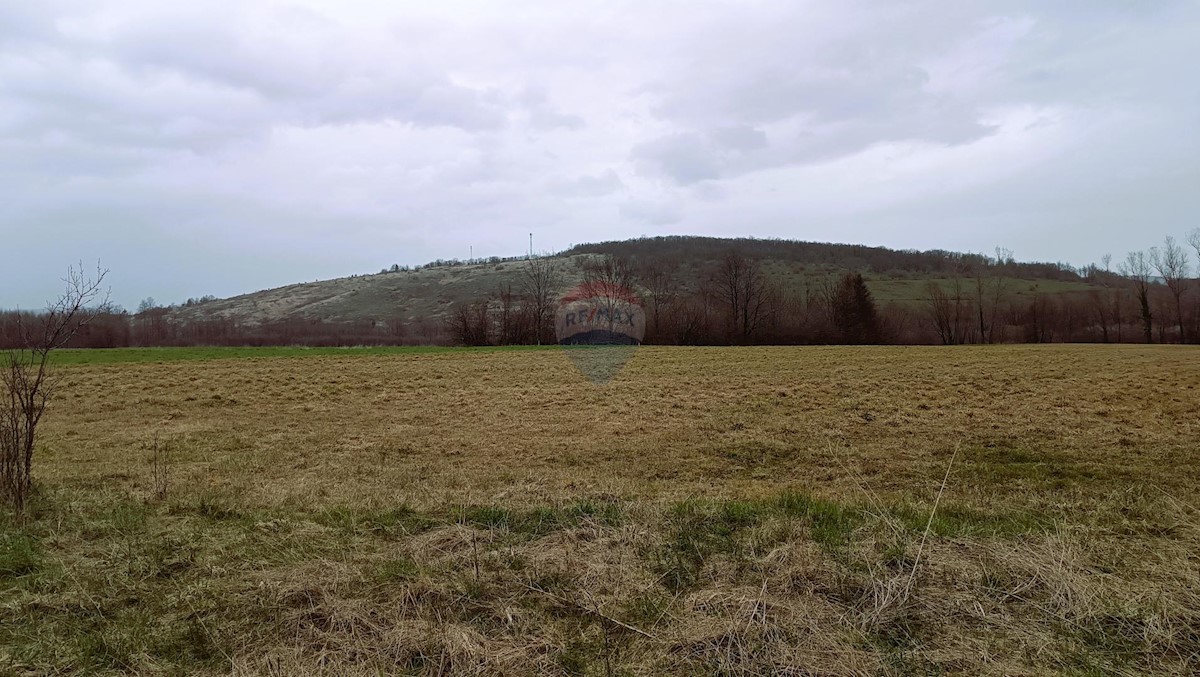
(731, 511)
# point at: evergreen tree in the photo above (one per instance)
(854, 314)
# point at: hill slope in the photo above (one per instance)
(407, 295)
(428, 292)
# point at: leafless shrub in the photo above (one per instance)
(1171, 263)
(28, 384)
(540, 282)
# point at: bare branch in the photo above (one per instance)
(27, 382)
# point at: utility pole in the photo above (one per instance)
(531, 245)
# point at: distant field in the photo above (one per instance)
(916, 291)
(799, 280)
(732, 511)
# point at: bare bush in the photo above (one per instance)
(28, 381)
(1171, 263)
(540, 281)
(1137, 268)
(746, 292)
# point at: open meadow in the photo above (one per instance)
(733, 511)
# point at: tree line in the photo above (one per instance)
(708, 291)
(115, 328)
(738, 297)
(739, 301)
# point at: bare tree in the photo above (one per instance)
(1004, 264)
(980, 276)
(1193, 239)
(28, 379)
(1101, 300)
(609, 270)
(1162, 311)
(991, 285)
(951, 310)
(1117, 294)
(469, 323)
(1137, 268)
(662, 289)
(510, 329)
(539, 283)
(745, 291)
(695, 316)
(1173, 267)
(608, 282)
(948, 312)
(1101, 309)
(1039, 317)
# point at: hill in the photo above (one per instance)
(695, 290)
(427, 293)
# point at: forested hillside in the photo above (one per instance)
(699, 290)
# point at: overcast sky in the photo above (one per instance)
(219, 148)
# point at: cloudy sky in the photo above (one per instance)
(218, 148)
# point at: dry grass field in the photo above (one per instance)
(710, 511)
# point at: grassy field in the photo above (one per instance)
(916, 291)
(156, 355)
(733, 511)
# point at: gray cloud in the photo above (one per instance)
(230, 146)
(589, 186)
(685, 157)
(543, 116)
(651, 213)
